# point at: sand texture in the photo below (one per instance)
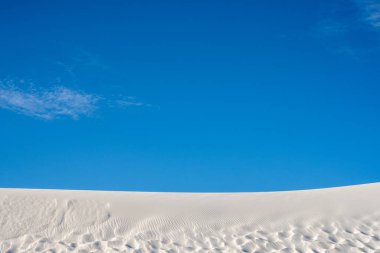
(345, 219)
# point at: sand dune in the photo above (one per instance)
(343, 219)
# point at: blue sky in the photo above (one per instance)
(189, 95)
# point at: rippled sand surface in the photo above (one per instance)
(345, 219)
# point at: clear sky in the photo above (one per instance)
(189, 95)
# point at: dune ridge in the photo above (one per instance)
(345, 219)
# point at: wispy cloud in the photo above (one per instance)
(80, 59)
(57, 102)
(350, 29)
(334, 36)
(371, 12)
(47, 104)
(129, 102)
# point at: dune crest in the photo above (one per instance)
(345, 219)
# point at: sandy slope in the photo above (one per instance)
(329, 220)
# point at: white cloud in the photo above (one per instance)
(47, 104)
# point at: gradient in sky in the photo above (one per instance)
(189, 95)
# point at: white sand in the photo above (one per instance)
(343, 219)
